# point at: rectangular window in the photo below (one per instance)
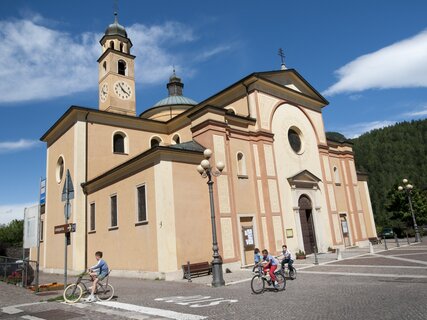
(41, 231)
(114, 211)
(142, 204)
(92, 217)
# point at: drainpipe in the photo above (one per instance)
(247, 98)
(86, 166)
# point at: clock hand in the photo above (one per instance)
(121, 87)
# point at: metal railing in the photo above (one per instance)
(17, 271)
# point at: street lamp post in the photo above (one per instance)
(206, 170)
(408, 188)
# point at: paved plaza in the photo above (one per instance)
(386, 284)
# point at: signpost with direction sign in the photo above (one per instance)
(67, 228)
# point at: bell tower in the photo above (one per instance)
(116, 71)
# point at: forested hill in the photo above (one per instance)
(390, 154)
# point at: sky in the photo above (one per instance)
(368, 58)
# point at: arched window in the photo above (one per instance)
(337, 176)
(121, 67)
(241, 164)
(104, 66)
(176, 139)
(155, 141)
(231, 111)
(112, 44)
(119, 143)
(121, 46)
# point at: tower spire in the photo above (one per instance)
(282, 58)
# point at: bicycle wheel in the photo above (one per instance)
(293, 274)
(72, 293)
(105, 292)
(281, 282)
(257, 284)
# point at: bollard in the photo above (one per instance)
(407, 239)
(371, 248)
(188, 272)
(397, 241)
(339, 255)
(316, 262)
(385, 243)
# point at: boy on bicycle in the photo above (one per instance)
(97, 272)
(287, 258)
(270, 263)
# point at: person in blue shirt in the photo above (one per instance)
(257, 256)
(270, 263)
(97, 272)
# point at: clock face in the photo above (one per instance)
(122, 90)
(104, 92)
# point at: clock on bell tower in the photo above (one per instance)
(116, 71)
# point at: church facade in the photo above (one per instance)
(139, 198)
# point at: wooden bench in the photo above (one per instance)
(375, 240)
(196, 269)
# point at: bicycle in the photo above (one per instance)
(260, 279)
(291, 274)
(75, 291)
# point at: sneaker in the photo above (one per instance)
(276, 283)
(91, 299)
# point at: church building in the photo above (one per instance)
(139, 198)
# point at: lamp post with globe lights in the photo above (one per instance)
(207, 171)
(408, 188)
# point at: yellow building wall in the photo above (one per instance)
(130, 246)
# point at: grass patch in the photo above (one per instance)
(56, 299)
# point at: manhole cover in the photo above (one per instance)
(56, 314)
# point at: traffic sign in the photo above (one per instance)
(65, 228)
(68, 189)
(42, 191)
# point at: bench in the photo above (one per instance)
(375, 240)
(196, 269)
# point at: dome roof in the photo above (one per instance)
(116, 29)
(175, 100)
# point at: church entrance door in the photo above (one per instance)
(307, 225)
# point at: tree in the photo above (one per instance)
(397, 207)
(391, 154)
(12, 233)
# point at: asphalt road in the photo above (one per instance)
(386, 285)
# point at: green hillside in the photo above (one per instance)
(388, 155)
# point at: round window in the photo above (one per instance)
(294, 140)
(59, 169)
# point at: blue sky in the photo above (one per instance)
(369, 59)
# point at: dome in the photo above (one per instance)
(116, 29)
(175, 100)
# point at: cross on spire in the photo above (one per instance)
(282, 58)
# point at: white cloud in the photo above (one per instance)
(22, 144)
(417, 113)
(209, 53)
(13, 211)
(39, 63)
(400, 65)
(355, 130)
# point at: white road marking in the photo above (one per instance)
(28, 317)
(409, 254)
(150, 311)
(404, 259)
(198, 301)
(374, 266)
(379, 275)
(14, 309)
